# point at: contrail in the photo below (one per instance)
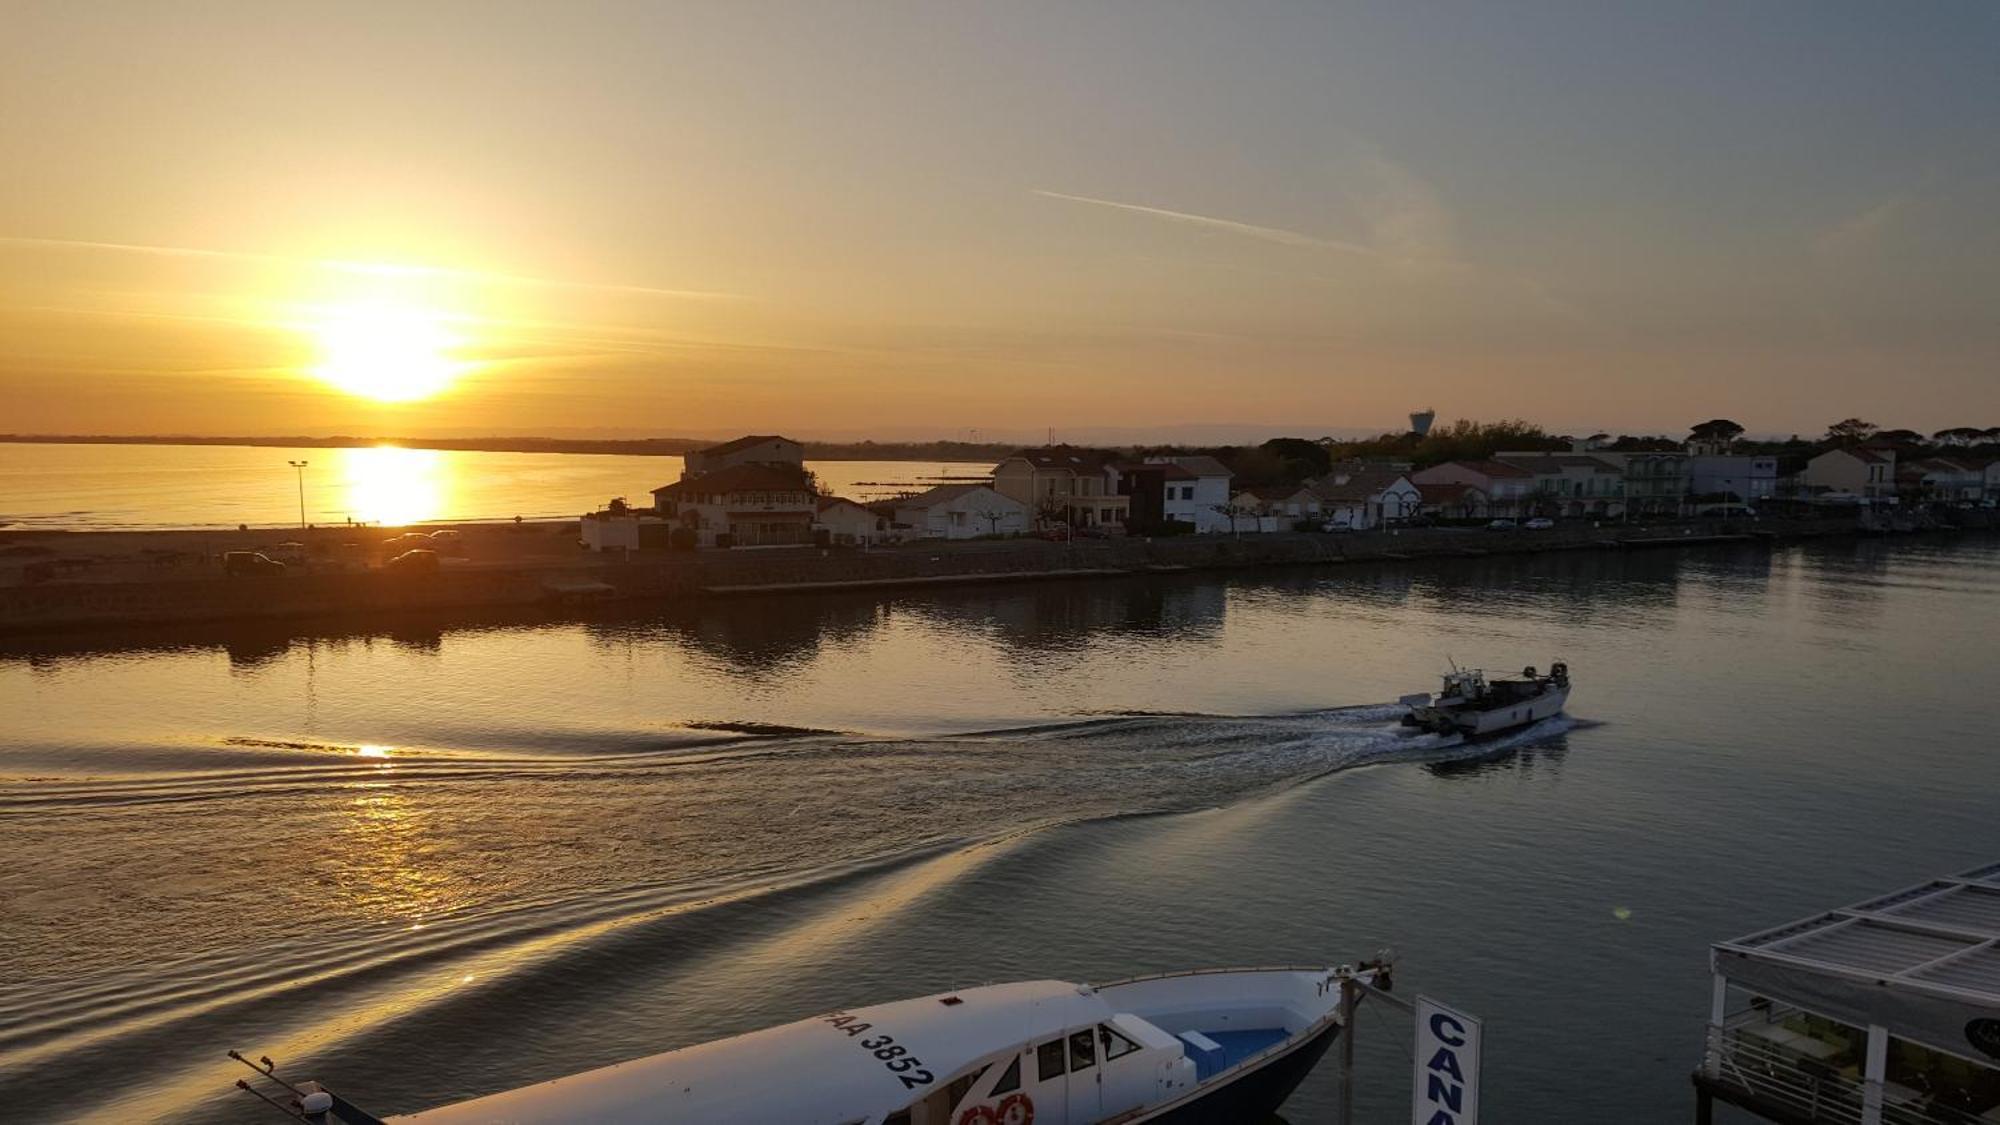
(1268, 234)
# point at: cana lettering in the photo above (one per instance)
(1455, 1037)
(1452, 1096)
(1447, 1096)
(1447, 1063)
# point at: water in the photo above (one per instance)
(136, 487)
(437, 859)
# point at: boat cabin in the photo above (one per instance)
(1046, 1051)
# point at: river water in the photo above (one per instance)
(47, 486)
(433, 860)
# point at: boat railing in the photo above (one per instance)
(1785, 1074)
(1321, 969)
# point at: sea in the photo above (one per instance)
(112, 487)
(426, 859)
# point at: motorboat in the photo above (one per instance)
(1475, 706)
(1186, 1048)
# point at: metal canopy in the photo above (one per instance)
(1924, 961)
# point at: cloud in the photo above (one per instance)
(373, 268)
(1249, 230)
(1407, 219)
(1860, 233)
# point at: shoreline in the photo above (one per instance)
(162, 579)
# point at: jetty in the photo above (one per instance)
(142, 578)
(1886, 1012)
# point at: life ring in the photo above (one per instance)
(1017, 1109)
(979, 1115)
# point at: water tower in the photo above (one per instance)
(1420, 421)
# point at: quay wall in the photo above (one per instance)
(67, 604)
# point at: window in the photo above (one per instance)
(1187, 493)
(1082, 1050)
(1010, 1079)
(1116, 1046)
(1049, 1060)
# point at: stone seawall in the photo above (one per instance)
(63, 605)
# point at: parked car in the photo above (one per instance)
(1501, 525)
(245, 563)
(447, 541)
(409, 540)
(423, 560)
(1539, 523)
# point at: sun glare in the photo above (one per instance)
(385, 352)
(391, 486)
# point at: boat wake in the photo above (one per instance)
(394, 879)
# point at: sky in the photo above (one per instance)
(935, 219)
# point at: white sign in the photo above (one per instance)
(1446, 1086)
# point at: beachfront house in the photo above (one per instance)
(960, 511)
(1864, 473)
(1452, 500)
(618, 527)
(1366, 499)
(848, 524)
(1200, 495)
(1065, 484)
(768, 450)
(1505, 487)
(1656, 481)
(747, 505)
(1571, 484)
(1284, 502)
(1717, 478)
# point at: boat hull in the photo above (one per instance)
(1484, 724)
(1253, 1095)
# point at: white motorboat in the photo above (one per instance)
(1472, 705)
(1222, 1045)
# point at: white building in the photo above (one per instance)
(628, 530)
(768, 450)
(849, 524)
(1368, 499)
(1506, 488)
(750, 505)
(960, 511)
(1865, 473)
(1201, 497)
(1751, 478)
(1065, 484)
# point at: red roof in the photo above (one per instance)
(1446, 493)
(1494, 468)
(737, 478)
(743, 442)
(1075, 458)
(826, 502)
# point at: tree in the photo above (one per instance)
(1717, 429)
(1959, 435)
(1899, 437)
(1850, 431)
(992, 516)
(1301, 458)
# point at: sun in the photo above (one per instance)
(385, 351)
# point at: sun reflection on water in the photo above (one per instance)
(391, 486)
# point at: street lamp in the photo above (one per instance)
(300, 468)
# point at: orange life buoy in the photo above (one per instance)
(979, 1115)
(1017, 1109)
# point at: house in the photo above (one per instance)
(1507, 488)
(849, 524)
(747, 505)
(768, 450)
(1572, 484)
(1860, 473)
(1941, 480)
(1656, 481)
(1201, 497)
(1065, 484)
(1284, 501)
(619, 528)
(1451, 500)
(1731, 478)
(960, 511)
(1360, 501)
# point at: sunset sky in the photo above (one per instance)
(910, 220)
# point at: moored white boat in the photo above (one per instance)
(1218, 1046)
